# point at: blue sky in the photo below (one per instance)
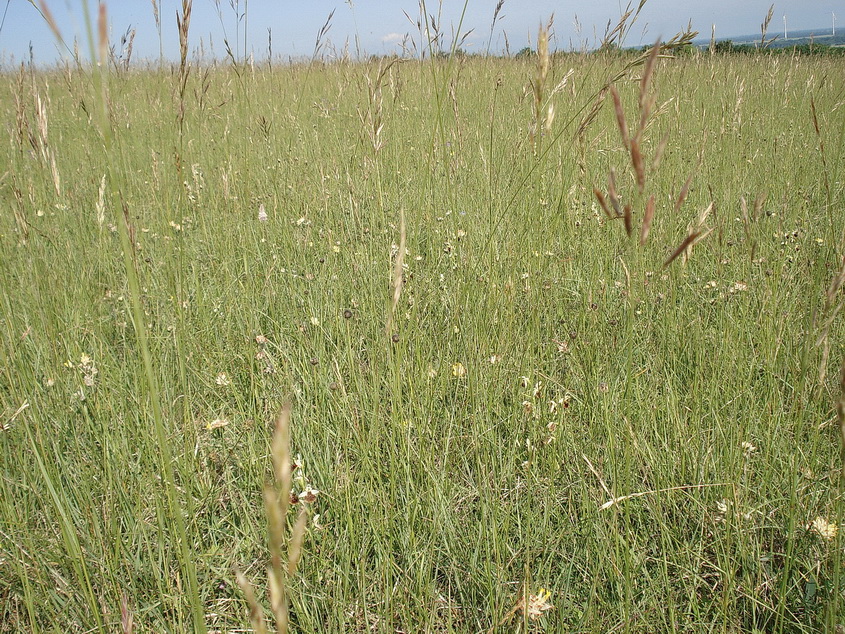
(373, 26)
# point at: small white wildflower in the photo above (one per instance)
(262, 213)
(748, 449)
(309, 495)
(223, 379)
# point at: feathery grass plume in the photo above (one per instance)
(175, 517)
(256, 614)
(680, 249)
(749, 220)
(648, 216)
(47, 16)
(538, 85)
(603, 203)
(666, 49)
(764, 28)
(611, 193)
(637, 162)
(20, 215)
(127, 618)
(46, 153)
(700, 230)
(620, 118)
(658, 153)
(627, 216)
(101, 202)
(645, 81)
(615, 38)
(633, 143)
(319, 42)
(183, 24)
(826, 317)
(836, 559)
(496, 12)
(373, 119)
(103, 36)
(397, 275)
(823, 157)
(682, 195)
(277, 501)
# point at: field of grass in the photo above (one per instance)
(503, 401)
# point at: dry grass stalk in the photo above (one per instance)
(840, 413)
(103, 36)
(831, 309)
(20, 215)
(256, 616)
(48, 18)
(397, 275)
(101, 202)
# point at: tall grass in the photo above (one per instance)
(515, 416)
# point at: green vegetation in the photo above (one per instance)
(500, 400)
(779, 47)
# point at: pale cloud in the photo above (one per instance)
(392, 38)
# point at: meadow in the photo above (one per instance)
(509, 408)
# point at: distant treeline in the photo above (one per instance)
(728, 47)
(722, 47)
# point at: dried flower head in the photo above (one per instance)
(217, 423)
(824, 529)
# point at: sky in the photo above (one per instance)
(379, 26)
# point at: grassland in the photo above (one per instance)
(545, 405)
